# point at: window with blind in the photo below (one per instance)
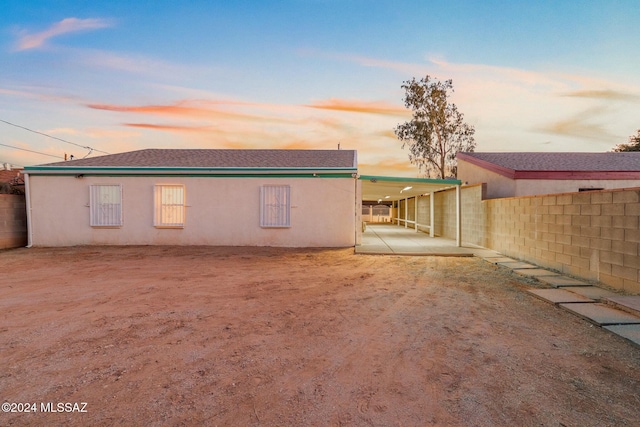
(275, 206)
(105, 205)
(169, 201)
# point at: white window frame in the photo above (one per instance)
(105, 205)
(275, 206)
(170, 210)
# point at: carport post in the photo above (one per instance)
(415, 213)
(432, 214)
(458, 216)
(396, 204)
(406, 212)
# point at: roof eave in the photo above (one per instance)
(130, 170)
(500, 170)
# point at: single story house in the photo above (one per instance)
(291, 198)
(527, 174)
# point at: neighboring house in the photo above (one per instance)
(11, 180)
(294, 198)
(13, 215)
(526, 174)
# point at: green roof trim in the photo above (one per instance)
(209, 175)
(417, 180)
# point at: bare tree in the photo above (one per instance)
(436, 132)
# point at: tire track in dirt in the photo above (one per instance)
(269, 337)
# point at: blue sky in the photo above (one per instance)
(119, 76)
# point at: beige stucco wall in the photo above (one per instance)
(501, 186)
(220, 212)
(497, 185)
(531, 187)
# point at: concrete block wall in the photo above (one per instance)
(13, 221)
(474, 213)
(445, 213)
(411, 209)
(593, 235)
(424, 213)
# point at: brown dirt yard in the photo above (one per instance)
(211, 336)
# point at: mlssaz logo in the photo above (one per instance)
(63, 407)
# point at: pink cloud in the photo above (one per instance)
(360, 107)
(606, 94)
(171, 128)
(67, 25)
(388, 166)
(586, 124)
(178, 109)
(388, 134)
(189, 109)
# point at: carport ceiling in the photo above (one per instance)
(389, 189)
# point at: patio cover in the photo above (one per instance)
(388, 189)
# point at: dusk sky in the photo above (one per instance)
(117, 76)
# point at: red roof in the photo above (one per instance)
(558, 165)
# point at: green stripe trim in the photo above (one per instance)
(151, 175)
(417, 180)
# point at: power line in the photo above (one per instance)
(31, 151)
(53, 137)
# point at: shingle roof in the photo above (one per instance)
(210, 158)
(609, 162)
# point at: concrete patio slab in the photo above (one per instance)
(592, 292)
(630, 332)
(559, 296)
(387, 239)
(558, 281)
(600, 314)
(483, 252)
(420, 253)
(627, 303)
(535, 272)
(517, 264)
(496, 260)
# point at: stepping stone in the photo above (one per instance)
(630, 332)
(601, 315)
(497, 260)
(629, 303)
(592, 292)
(517, 265)
(558, 296)
(535, 272)
(561, 281)
(486, 253)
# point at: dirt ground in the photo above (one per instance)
(171, 336)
